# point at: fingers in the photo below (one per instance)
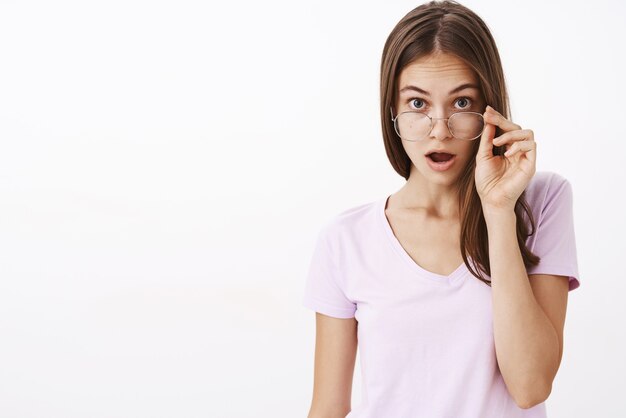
(521, 146)
(513, 133)
(485, 147)
(517, 135)
(495, 118)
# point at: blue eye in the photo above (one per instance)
(467, 100)
(419, 100)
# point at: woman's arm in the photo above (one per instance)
(528, 344)
(335, 355)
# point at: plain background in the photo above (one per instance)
(165, 167)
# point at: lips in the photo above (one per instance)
(440, 165)
(439, 156)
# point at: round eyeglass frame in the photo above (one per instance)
(395, 125)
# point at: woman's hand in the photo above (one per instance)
(501, 179)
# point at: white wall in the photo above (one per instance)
(165, 167)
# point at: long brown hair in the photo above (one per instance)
(449, 27)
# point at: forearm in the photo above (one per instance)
(527, 345)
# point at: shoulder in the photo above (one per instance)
(545, 187)
(544, 181)
(352, 220)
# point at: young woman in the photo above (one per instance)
(454, 288)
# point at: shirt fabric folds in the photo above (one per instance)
(425, 340)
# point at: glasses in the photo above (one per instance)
(414, 126)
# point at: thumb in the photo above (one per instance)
(485, 149)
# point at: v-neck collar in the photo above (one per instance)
(452, 278)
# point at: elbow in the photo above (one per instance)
(333, 414)
(533, 395)
(328, 412)
(327, 415)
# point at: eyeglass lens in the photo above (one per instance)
(413, 126)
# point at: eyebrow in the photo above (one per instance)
(457, 89)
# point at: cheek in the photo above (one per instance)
(467, 153)
(468, 150)
(414, 150)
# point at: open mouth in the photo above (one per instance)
(440, 157)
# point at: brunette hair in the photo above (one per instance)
(449, 27)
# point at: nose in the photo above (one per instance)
(440, 129)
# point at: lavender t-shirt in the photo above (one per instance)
(425, 340)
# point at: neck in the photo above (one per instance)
(435, 199)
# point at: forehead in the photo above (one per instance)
(436, 73)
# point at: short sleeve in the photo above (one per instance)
(323, 291)
(555, 240)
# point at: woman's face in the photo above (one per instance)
(438, 76)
